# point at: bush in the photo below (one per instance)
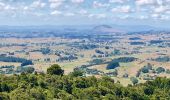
(125, 75)
(23, 61)
(99, 51)
(45, 51)
(162, 59)
(97, 61)
(28, 69)
(55, 70)
(76, 73)
(134, 80)
(124, 59)
(148, 90)
(145, 69)
(160, 70)
(112, 65)
(149, 66)
(27, 62)
(4, 96)
(116, 52)
(168, 71)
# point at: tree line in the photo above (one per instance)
(23, 61)
(56, 85)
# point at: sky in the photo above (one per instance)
(85, 12)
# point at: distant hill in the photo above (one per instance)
(111, 28)
(106, 29)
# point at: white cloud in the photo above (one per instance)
(25, 8)
(5, 7)
(83, 12)
(117, 1)
(38, 4)
(155, 16)
(145, 2)
(97, 9)
(55, 3)
(2, 5)
(69, 14)
(125, 17)
(8, 7)
(143, 17)
(101, 16)
(77, 1)
(98, 16)
(97, 4)
(34, 6)
(161, 9)
(160, 16)
(122, 9)
(56, 12)
(165, 17)
(38, 14)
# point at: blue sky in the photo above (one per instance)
(85, 12)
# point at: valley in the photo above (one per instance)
(122, 56)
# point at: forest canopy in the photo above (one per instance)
(75, 86)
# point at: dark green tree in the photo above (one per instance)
(28, 69)
(76, 73)
(160, 70)
(134, 80)
(55, 70)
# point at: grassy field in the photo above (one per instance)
(30, 51)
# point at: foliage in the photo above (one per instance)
(162, 59)
(76, 73)
(23, 61)
(135, 38)
(45, 50)
(55, 70)
(145, 69)
(125, 75)
(116, 52)
(113, 73)
(160, 70)
(124, 59)
(99, 51)
(134, 80)
(112, 65)
(137, 43)
(155, 41)
(26, 62)
(97, 61)
(168, 71)
(66, 87)
(28, 69)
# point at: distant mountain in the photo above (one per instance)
(112, 28)
(126, 28)
(135, 28)
(106, 29)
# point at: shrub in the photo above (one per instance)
(145, 69)
(168, 71)
(125, 75)
(55, 70)
(160, 70)
(28, 69)
(112, 65)
(134, 80)
(76, 73)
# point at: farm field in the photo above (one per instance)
(96, 56)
